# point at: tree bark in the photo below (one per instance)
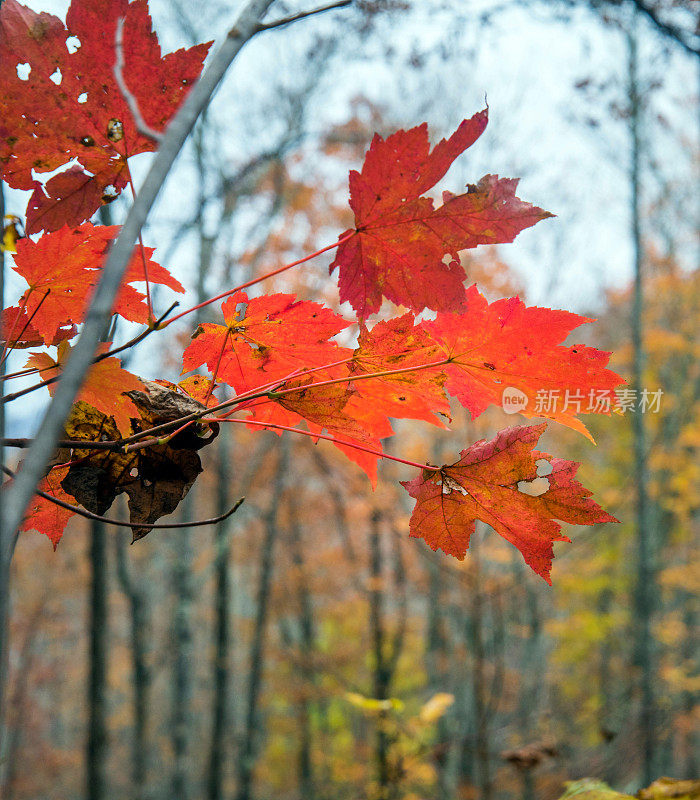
(483, 757)
(96, 755)
(183, 663)
(251, 735)
(139, 636)
(307, 646)
(644, 590)
(5, 546)
(220, 698)
(381, 673)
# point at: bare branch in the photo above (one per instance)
(267, 26)
(89, 515)
(38, 455)
(73, 444)
(673, 32)
(141, 124)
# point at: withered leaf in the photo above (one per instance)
(155, 478)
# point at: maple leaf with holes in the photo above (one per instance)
(400, 240)
(491, 347)
(63, 268)
(68, 111)
(104, 387)
(484, 485)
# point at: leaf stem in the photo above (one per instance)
(19, 374)
(326, 437)
(347, 379)
(166, 426)
(5, 351)
(262, 278)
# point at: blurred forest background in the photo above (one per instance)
(307, 647)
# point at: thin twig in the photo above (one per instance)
(267, 26)
(73, 444)
(8, 398)
(131, 101)
(89, 515)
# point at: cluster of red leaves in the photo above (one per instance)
(278, 353)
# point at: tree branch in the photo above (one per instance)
(302, 15)
(20, 493)
(673, 32)
(89, 515)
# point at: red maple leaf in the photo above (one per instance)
(400, 239)
(17, 330)
(62, 269)
(398, 346)
(335, 408)
(270, 338)
(46, 517)
(69, 108)
(276, 339)
(484, 485)
(507, 345)
(103, 388)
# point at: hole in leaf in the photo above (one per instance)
(23, 71)
(109, 194)
(56, 77)
(134, 472)
(115, 130)
(534, 488)
(543, 467)
(82, 98)
(72, 44)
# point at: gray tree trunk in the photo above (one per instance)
(139, 637)
(644, 590)
(96, 754)
(183, 661)
(251, 734)
(5, 546)
(220, 696)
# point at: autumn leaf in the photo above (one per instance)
(335, 408)
(104, 388)
(412, 392)
(69, 111)
(63, 268)
(398, 247)
(269, 339)
(508, 345)
(488, 483)
(46, 517)
(18, 331)
(155, 478)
